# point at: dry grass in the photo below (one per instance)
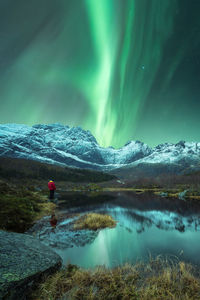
(94, 221)
(157, 280)
(194, 197)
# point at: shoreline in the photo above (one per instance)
(171, 193)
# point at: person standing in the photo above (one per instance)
(52, 188)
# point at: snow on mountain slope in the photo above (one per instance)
(173, 153)
(59, 144)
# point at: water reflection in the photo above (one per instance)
(146, 224)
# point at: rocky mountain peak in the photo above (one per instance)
(74, 146)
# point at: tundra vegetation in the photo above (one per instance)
(168, 184)
(94, 221)
(29, 169)
(158, 279)
(21, 206)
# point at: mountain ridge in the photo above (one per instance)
(75, 147)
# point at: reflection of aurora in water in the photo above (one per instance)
(146, 224)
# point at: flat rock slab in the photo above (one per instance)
(23, 262)
(64, 236)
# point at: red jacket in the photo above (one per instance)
(51, 186)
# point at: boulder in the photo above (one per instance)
(24, 260)
(183, 195)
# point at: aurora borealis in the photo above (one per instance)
(123, 69)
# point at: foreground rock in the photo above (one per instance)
(23, 262)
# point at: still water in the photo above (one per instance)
(146, 225)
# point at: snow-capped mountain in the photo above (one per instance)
(59, 144)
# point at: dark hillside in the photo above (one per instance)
(22, 168)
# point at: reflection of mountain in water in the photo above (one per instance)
(143, 210)
(164, 220)
(166, 214)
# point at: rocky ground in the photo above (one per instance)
(64, 235)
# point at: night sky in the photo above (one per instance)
(123, 69)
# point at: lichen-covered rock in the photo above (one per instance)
(23, 262)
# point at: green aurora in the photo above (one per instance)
(123, 69)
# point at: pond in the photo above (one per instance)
(147, 225)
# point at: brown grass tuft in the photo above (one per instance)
(94, 221)
(155, 280)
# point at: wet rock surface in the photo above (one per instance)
(24, 260)
(63, 236)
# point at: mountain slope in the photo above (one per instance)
(28, 169)
(58, 144)
(75, 147)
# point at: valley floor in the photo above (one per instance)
(157, 279)
(24, 202)
(169, 193)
